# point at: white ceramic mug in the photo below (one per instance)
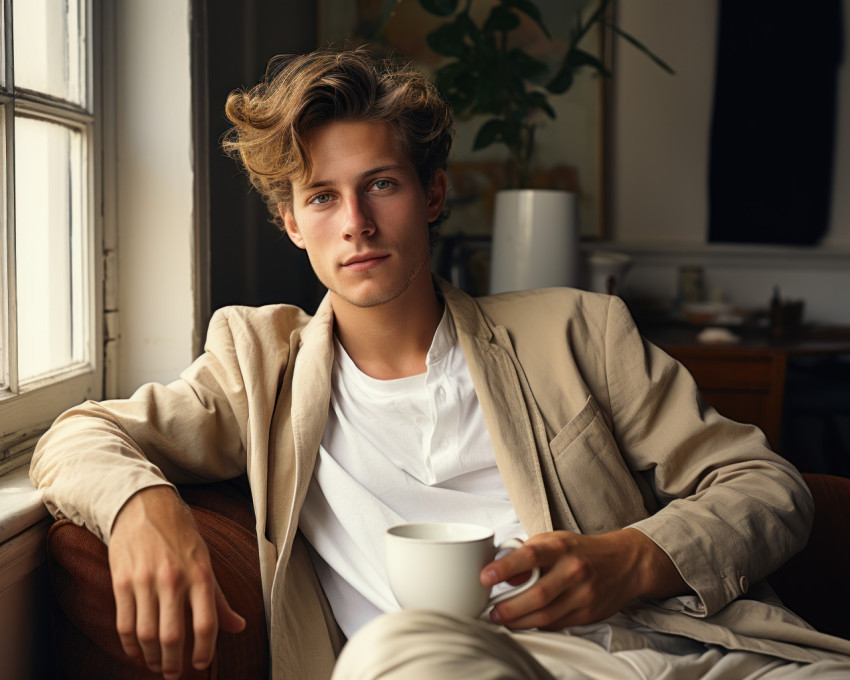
(435, 565)
(606, 271)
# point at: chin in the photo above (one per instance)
(375, 299)
(371, 293)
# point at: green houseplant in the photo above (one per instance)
(489, 75)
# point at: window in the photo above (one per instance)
(50, 226)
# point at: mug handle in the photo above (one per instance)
(513, 544)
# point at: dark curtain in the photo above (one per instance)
(773, 127)
(250, 261)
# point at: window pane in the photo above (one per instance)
(48, 47)
(2, 48)
(4, 272)
(48, 193)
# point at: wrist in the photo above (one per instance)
(143, 503)
(656, 575)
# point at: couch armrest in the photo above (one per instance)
(85, 641)
(815, 581)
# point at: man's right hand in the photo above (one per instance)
(160, 571)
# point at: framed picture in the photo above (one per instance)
(570, 150)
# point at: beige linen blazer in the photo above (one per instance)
(593, 430)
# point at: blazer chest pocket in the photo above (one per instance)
(594, 477)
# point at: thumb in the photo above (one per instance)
(228, 620)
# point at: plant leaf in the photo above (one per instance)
(442, 8)
(446, 76)
(562, 81)
(501, 19)
(538, 100)
(574, 60)
(640, 46)
(463, 19)
(448, 39)
(530, 9)
(529, 67)
(486, 93)
(457, 81)
(583, 28)
(581, 58)
(494, 130)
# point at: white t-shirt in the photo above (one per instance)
(407, 450)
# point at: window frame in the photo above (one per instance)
(28, 409)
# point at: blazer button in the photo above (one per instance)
(744, 582)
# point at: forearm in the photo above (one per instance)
(732, 510)
(655, 575)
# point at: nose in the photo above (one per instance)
(358, 220)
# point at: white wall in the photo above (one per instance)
(154, 211)
(661, 123)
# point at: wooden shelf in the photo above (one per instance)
(746, 381)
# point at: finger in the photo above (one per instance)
(228, 619)
(172, 629)
(565, 595)
(561, 612)
(517, 562)
(204, 619)
(125, 617)
(147, 626)
(549, 588)
(519, 580)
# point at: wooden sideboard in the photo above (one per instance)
(746, 381)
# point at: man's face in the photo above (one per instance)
(362, 216)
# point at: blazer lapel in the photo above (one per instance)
(296, 602)
(310, 394)
(507, 413)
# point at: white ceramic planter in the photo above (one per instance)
(535, 240)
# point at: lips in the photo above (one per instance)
(363, 261)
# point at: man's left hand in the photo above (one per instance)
(584, 578)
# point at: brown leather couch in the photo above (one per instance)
(87, 646)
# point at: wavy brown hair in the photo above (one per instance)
(302, 92)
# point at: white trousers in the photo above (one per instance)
(424, 645)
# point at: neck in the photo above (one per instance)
(392, 340)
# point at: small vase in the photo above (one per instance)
(535, 240)
(606, 271)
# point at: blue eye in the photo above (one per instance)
(382, 184)
(321, 199)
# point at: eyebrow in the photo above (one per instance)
(363, 175)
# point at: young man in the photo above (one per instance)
(541, 414)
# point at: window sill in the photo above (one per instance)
(20, 504)
(24, 522)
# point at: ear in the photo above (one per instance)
(290, 225)
(436, 195)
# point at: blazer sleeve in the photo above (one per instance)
(732, 510)
(97, 455)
